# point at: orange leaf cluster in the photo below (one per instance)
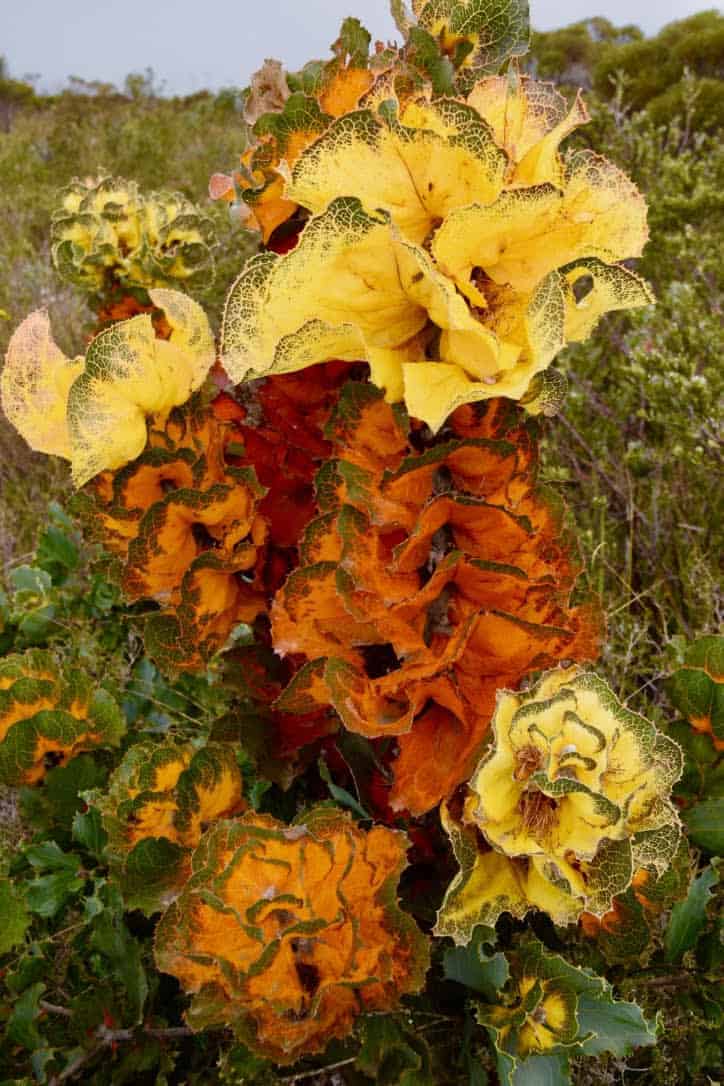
(48, 715)
(288, 933)
(184, 526)
(282, 434)
(284, 125)
(435, 576)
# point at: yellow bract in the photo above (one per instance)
(437, 157)
(93, 411)
(35, 383)
(450, 246)
(572, 799)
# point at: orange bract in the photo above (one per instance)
(433, 578)
(184, 527)
(287, 933)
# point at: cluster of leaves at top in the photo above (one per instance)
(368, 544)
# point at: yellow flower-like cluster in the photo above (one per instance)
(572, 799)
(106, 231)
(451, 246)
(92, 410)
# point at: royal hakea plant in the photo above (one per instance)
(340, 494)
(117, 242)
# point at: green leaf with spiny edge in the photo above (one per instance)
(88, 831)
(540, 1071)
(425, 54)
(392, 1053)
(111, 938)
(14, 916)
(688, 917)
(29, 583)
(479, 34)
(49, 856)
(474, 967)
(697, 688)
(48, 894)
(21, 1028)
(705, 825)
(353, 43)
(153, 869)
(616, 1026)
(703, 776)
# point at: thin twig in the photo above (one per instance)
(106, 1037)
(320, 1070)
(78, 1063)
(53, 1008)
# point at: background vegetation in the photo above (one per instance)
(636, 451)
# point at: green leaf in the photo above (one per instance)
(65, 784)
(36, 626)
(705, 825)
(57, 554)
(14, 916)
(88, 831)
(48, 894)
(29, 582)
(616, 1026)
(688, 917)
(354, 41)
(696, 688)
(151, 871)
(549, 1070)
(21, 1028)
(703, 776)
(472, 966)
(49, 856)
(392, 1054)
(111, 937)
(426, 56)
(341, 795)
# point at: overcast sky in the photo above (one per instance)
(192, 44)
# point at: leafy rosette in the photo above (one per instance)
(477, 36)
(287, 113)
(548, 1011)
(48, 715)
(432, 578)
(182, 523)
(93, 411)
(697, 688)
(107, 234)
(288, 933)
(451, 247)
(158, 802)
(572, 799)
